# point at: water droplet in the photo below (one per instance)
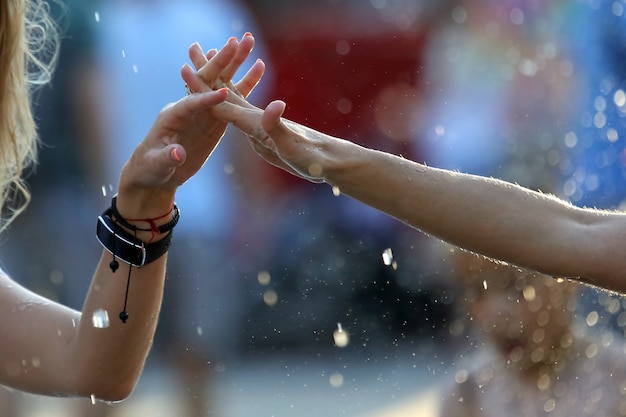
(342, 47)
(592, 318)
(543, 383)
(336, 191)
(549, 405)
(315, 170)
(100, 319)
(264, 278)
(199, 330)
(485, 284)
(461, 376)
(341, 337)
(336, 380)
(56, 277)
(270, 297)
(387, 256)
(93, 399)
(529, 293)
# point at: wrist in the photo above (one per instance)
(126, 246)
(147, 229)
(141, 203)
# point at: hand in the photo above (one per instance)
(297, 149)
(185, 133)
(216, 70)
(287, 145)
(291, 146)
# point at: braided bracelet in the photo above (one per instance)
(153, 227)
(127, 247)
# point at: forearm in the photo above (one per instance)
(111, 358)
(484, 215)
(53, 350)
(118, 351)
(488, 216)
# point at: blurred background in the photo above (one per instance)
(282, 298)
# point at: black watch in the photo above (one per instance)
(125, 246)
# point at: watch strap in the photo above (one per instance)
(127, 247)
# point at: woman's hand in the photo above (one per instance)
(297, 144)
(185, 133)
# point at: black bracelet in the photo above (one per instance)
(127, 247)
(161, 229)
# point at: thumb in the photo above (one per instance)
(271, 120)
(174, 155)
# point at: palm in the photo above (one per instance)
(199, 135)
(191, 124)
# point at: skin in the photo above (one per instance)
(502, 221)
(484, 215)
(50, 349)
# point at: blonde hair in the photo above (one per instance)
(28, 53)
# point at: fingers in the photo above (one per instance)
(248, 120)
(193, 81)
(210, 54)
(222, 64)
(211, 70)
(196, 102)
(197, 56)
(218, 68)
(243, 52)
(251, 79)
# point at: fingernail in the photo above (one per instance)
(175, 155)
(247, 34)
